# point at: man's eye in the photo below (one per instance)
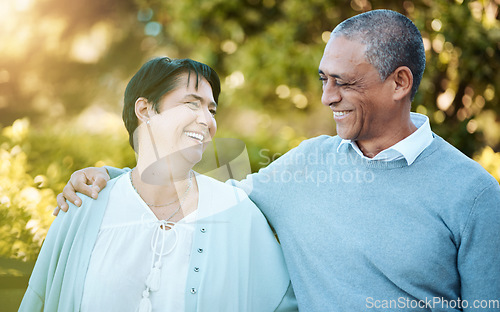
(213, 112)
(337, 83)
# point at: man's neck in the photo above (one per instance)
(370, 148)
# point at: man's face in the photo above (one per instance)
(352, 88)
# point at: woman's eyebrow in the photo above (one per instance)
(198, 98)
(195, 96)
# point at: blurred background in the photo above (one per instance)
(64, 66)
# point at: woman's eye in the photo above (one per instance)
(192, 104)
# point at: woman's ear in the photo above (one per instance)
(403, 79)
(142, 109)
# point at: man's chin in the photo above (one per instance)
(343, 134)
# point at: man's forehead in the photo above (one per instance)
(343, 50)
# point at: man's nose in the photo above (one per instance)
(331, 94)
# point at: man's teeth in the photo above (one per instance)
(195, 135)
(339, 114)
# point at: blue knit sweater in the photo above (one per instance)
(364, 235)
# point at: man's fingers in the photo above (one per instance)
(98, 185)
(61, 204)
(70, 195)
(78, 183)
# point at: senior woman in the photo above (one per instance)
(163, 238)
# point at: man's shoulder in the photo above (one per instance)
(453, 157)
(322, 140)
(319, 144)
(453, 161)
(307, 150)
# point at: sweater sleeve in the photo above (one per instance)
(479, 253)
(262, 187)
(266, 187)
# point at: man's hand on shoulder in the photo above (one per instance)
(89, 181)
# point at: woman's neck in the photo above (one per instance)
(161, 187)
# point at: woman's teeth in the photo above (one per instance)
(195, 135)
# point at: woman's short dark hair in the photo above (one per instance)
(158, 77)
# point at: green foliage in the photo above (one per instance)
(490, 161)
(34, 166)
(24, 203)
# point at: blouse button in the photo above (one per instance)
(200, 250)
(193, 291)
(203, 230)
(196, 269)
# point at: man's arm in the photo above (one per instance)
(478, 259)
(89, 181)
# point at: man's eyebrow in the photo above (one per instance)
(198, 98)
(334, 76)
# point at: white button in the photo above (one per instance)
(203, 230)
(193, 291)
(196, 269)
(200, 250)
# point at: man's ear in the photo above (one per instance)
(403, 79)
(142, 109)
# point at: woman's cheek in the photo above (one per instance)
(214, 128)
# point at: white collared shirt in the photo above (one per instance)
(409, 148)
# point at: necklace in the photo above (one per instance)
(170, 203)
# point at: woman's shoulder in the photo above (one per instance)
(220, 188)
(221, 197)
(75, 212)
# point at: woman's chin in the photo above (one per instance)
(192, 155)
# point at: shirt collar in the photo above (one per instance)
(409, 148)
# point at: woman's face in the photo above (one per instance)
(185, 122)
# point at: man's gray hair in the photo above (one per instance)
(391, 39)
